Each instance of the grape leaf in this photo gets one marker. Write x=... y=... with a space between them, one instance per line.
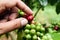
x=52 y=2
x=58 y=8
x=55 y=36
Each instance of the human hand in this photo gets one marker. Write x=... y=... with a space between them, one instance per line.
x=9 y=11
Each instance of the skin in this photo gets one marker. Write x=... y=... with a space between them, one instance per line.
x=8 y=15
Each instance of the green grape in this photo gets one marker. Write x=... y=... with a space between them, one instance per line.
x=38 y=33
x=28 y=26
x=38 y=24
x=26 y=31
x=32 y=31
x=38 y=28
x=41 y=34
x=44 y=38
x=28 y=36
x=35 y=37
x=42 y=29
x=21 y=13
x=33 y=26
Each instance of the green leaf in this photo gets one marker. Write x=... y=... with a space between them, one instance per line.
x=52 y=2
x=55 y=36
x=58 y=8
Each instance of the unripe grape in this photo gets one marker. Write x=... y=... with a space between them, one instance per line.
x=28 y=26
x=38 y=33
x=44 y=38
x=35 y=37
x=28 y=36
x=26 y=31
x=22 y=13
x=32 y=26
x=38 y=28
x=32 y=31
x=42 y=29
x=41 y=34
x=38 y=24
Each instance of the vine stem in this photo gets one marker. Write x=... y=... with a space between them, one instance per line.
x=37 y=12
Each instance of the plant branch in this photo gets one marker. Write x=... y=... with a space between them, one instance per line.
x=37 y=12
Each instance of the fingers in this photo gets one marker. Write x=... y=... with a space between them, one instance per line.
x=14 y=13
x=4 y=20
x=11 y=25
x=9 y=4
x=24 y=7
x=2 y=9
x=13 y=16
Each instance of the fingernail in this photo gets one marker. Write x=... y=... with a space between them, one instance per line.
x=23 y=21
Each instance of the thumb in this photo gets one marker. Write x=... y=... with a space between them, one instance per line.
x=11 y=25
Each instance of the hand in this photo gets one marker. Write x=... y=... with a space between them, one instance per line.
x=8 y=15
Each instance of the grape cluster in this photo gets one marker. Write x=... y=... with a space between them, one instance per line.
x=34 y=31
x=29 y=17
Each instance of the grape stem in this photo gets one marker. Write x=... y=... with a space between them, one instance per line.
x=37 y=12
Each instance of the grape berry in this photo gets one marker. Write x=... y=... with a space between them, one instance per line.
x=30 y=18
x=56 y=27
